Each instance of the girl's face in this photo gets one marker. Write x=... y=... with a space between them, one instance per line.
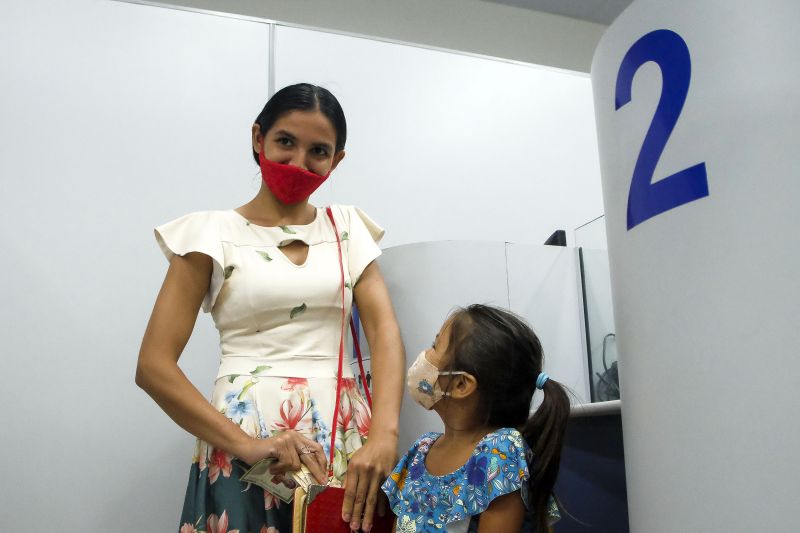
x=458 y=386
x=438 y=355
x=304 y=139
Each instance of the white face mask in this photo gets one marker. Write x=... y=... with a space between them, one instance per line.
x=423 y=382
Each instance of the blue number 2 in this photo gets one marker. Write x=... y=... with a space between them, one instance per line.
x=645 y=198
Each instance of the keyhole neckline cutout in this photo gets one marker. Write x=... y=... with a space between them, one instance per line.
x=302 y=256
x=294 y=236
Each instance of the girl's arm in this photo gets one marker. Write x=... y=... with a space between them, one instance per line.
x=505 y=513
x=372 y=464
x=157 y=372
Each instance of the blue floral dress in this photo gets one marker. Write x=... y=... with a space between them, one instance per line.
x=453 y=502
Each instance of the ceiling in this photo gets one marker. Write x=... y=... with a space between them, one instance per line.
x=599 y=11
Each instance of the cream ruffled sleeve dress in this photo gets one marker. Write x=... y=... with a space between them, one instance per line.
x=279 y=325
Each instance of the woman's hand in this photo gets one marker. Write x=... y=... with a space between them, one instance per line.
x=372 y=464
x=290 y=449
x=367 y=470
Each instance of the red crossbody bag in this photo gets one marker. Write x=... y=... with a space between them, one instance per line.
x=320 y=510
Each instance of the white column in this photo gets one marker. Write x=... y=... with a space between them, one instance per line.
x=703 y=222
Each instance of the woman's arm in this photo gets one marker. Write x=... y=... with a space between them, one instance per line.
x=372 y=464
x=505 y=513
x=157 y=372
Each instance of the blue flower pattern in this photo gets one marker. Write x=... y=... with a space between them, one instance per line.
x=423 y=502
x=322 y=434
x=238 y=409
x=425 y=387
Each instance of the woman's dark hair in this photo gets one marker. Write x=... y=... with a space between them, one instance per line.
x=304 y=97
x=505 y=356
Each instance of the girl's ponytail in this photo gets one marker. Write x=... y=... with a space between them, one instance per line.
x=544 y=433
x=506 y=357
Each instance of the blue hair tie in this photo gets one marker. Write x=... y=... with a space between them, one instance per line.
x=541 y=380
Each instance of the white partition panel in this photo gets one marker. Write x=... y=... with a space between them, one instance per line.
x=428 y=280
x=115 y=118
x=697 y=117
x=544 y=288
x=446 y=146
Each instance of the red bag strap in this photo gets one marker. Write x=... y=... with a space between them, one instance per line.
x=341 y=352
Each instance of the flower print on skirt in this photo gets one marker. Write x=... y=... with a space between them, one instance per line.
x=216 y=500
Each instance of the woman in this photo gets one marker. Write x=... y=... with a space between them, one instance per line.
x=269 y=273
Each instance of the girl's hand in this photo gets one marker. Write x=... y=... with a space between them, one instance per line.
x=366 y=472
x=290 y=449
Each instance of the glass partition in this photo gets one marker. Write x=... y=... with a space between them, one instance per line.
x=601 y=342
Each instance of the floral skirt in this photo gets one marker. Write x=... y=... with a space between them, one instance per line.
x=216 y=500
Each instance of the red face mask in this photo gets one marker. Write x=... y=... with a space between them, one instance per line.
x=289 y=184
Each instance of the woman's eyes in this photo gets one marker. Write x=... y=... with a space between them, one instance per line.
x=287 y=142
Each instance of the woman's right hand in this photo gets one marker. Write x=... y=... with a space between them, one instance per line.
x=290 y=449
x=157 y=372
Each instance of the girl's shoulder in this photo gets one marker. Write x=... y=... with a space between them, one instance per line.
x=418 y=451
x=497 y=466
x=425 y=440
x=422 y=444
x=504 y=444
x=502 y=454
x=504 y=438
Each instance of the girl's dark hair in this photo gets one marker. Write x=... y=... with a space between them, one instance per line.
x=505 y=356
x=304 y=97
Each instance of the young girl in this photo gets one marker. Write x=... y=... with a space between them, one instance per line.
x=494 y=468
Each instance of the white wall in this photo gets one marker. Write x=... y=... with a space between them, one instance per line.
x=428 y=280
x=113 y=118
x=544 y=288
x=445 y=146
x=471 y=26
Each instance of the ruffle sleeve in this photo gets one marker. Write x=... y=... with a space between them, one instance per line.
x=499 y=466
x=423 y=502
x=393 y=486
x=361 y=238
x=195 y=232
